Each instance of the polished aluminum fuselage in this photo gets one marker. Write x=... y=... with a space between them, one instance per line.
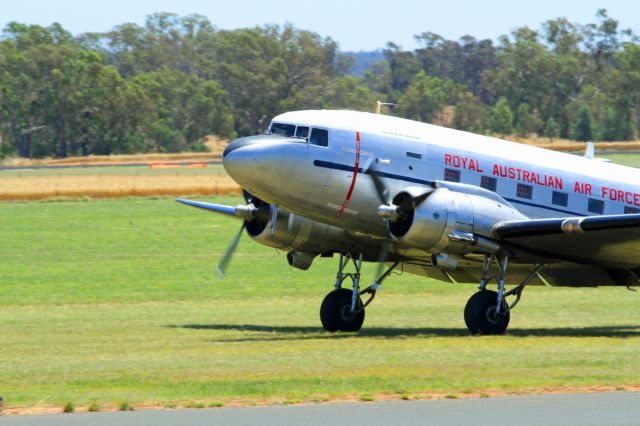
x=313 y=181
x=332 y=185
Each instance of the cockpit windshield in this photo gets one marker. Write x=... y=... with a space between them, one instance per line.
x=282 y=129
x=302 y=132
x=314 y=136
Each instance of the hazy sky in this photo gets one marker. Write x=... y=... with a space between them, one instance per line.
x=354 y=24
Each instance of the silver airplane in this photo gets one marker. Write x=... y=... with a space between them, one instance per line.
x=431 y=201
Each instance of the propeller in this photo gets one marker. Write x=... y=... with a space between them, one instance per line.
x=390 y=211
x=255 y=214
x=249 y=213
x=221 y=268
x=384 y=196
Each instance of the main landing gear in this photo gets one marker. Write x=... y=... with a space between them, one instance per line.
x=343 y=309
x=487 y=311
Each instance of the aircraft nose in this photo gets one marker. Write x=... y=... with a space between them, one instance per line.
x=239 y=159
x=239 y=143
x=262 y=164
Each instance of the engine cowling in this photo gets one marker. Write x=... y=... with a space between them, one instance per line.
x=424 y=225
x=303 y=239
x=452 y=219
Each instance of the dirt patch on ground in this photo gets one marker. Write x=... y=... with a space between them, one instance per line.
x=489 y=393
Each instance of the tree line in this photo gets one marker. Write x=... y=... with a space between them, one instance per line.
x=165 y=85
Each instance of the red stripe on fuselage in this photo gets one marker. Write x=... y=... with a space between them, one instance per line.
x=355 y=176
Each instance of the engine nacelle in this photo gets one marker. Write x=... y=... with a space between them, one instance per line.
x=280 y=234
x=303 y=239
x=454 y=219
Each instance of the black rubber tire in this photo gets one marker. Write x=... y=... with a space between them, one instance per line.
x=478 y=314
x=335 y=312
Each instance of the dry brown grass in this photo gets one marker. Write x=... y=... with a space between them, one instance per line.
x=116 y=159
x=568 y=145
x=599 y=146
x=29 y=188
x=215 y=145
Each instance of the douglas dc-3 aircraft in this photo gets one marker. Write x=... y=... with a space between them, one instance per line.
x=432 y=201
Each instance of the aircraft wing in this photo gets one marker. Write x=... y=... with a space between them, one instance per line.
x=611 y=241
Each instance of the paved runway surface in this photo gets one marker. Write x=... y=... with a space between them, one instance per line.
x=614 y=408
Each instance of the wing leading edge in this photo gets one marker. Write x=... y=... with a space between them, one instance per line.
x=611 y=241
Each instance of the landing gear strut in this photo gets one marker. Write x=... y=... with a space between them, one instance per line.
x=487 y=312
x=342 y=309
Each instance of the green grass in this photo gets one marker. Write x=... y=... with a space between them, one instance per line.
x=630 y=159
x=117 y=300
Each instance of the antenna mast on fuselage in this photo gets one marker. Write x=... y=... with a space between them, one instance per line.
x=380 y=104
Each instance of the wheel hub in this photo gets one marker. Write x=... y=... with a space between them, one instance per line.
x=346 y=313
x=492 y=316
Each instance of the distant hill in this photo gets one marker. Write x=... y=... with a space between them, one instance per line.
x=363 y=61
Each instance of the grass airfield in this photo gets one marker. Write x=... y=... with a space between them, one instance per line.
x=116 y=302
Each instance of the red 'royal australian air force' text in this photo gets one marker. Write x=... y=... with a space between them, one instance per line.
x=509 y=172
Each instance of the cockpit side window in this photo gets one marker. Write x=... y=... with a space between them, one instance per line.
x=282 y=129
x=302 y=132
x=319 y=137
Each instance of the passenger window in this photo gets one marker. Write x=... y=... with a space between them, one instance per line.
x=489 y=183
x=631 y=210
x=596 y=206
x=524 y=191
x=451 y=175
x=560 y=198
x=282 y=129
x=319 y=137
x=302 y=132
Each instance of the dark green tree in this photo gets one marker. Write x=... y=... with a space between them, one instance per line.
x=403 y=67
x=551 y=129
x=424 y=99
x=584 y=128
x=501 y=118
x=617 y=126
x=185 y=109
x=470 y=114
x=527 y=122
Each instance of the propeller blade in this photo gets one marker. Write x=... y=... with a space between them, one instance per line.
x=218 y=208
x=382 y=259
x=222 y=266
x=410 y=203
x=381 y=189
x=274 y=218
